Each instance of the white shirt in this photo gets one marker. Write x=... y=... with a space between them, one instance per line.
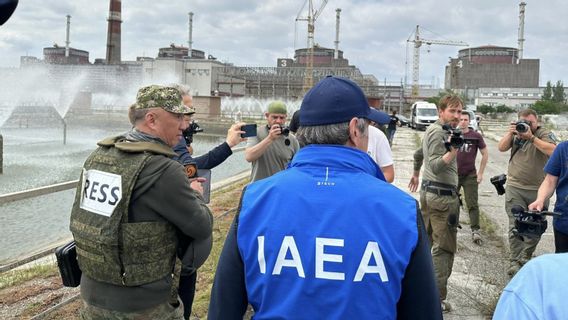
x=379 y=148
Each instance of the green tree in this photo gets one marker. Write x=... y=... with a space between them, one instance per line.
x=485 y=109
x=547 y=93
x=558 y=94
x=546 y=107
x=503 y=109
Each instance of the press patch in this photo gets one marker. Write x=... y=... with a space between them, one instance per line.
x=100 y=192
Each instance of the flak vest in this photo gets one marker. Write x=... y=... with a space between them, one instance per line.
x=111 y=249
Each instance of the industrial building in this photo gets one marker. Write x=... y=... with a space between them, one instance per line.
x=491 y=67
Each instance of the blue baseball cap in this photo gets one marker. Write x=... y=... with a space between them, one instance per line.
x=337 y=100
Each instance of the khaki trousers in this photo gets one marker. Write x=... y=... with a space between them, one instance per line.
x=441 y=218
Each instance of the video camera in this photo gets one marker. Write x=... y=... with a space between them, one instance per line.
x=456 y=138
x=530 y=224
x=499 y=183
x=522 y=126
x=190 y=131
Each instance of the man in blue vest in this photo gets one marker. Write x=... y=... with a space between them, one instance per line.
x=327 y=238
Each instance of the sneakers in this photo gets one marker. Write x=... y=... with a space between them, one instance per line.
x=446 y=306
x=476 y=237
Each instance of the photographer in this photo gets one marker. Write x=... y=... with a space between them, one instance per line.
x=209 y=160
x=438 y=196
x=556 y=179
x=213 y=157
x=530 y=146
x=274 y=146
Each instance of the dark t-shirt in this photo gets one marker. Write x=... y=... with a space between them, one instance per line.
x=393 y=121
x=468 y=152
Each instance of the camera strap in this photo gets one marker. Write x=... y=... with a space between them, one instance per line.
x=514 y=151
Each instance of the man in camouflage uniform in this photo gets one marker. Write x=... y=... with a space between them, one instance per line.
x=133 y=206
x=438 y=196
x=530 y=150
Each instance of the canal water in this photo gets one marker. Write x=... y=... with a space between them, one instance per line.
x=37 y=157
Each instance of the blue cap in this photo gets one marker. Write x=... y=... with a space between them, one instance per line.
x=337 y=100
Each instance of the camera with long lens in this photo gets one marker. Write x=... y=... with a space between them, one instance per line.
x=499 y=183
x=522 y=126
x=530 y=224
x=190 y=131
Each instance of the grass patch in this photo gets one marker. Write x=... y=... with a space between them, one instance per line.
x=222 y=202
x=16 y=277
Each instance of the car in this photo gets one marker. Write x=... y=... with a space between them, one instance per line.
x=403 y=121
x=473 y=120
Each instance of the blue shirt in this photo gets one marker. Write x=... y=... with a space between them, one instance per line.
x=557 y=166
x=537 y=290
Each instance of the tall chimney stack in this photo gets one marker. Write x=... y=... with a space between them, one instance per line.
x=190 y=40
x=67 y=36
x=113 y=32
x=521 y=29
x=337 y=14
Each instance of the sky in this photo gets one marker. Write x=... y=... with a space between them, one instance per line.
x=373 y=33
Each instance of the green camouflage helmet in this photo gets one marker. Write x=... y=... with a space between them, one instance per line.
x=167 y=98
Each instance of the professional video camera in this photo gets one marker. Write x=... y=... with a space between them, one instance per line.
x=530 y=224
x=190 y=131
x=522 y=126
x=499 y=183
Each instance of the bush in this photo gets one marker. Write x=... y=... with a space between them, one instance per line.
x=485 y=109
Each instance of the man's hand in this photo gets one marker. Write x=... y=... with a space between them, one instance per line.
x=196 y=184
x=512 y=128
x=537 y=205
x=234 y=134
x=479 y=178
x=413 y=184
x=275 y=132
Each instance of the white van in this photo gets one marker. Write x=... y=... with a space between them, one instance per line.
x=423 y=114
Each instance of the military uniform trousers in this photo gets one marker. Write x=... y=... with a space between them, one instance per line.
x=520 y=250
x=470 y=195
x=165 y=311
x=441 y=218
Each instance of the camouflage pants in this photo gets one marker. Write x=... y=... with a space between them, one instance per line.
x=164 y=311
x=520 y=250
x=470 y=186
x=441 y=218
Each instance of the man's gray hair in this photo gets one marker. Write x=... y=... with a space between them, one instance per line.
x=136 y=115
x=337 y=133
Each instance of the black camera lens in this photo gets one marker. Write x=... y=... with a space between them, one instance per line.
x=522 y=127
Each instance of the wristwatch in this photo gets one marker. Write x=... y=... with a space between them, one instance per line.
x=531 y=140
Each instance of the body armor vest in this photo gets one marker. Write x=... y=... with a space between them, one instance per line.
x=109 y=248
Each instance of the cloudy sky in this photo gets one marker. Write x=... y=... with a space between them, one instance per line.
x=373 y=36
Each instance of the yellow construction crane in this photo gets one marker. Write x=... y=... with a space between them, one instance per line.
x=311 y=19
x=418 y=42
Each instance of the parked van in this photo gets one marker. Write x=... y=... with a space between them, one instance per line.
x=423 y=114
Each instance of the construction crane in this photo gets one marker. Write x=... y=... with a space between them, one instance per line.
x=418 y=42
x=311 y=19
